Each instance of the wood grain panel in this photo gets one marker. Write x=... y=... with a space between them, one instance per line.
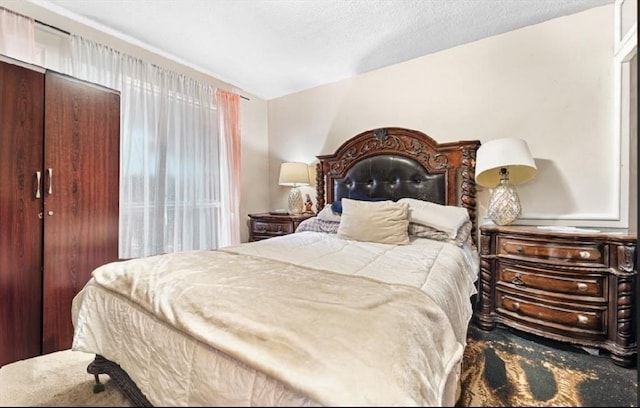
x=82 y=147
x=21 y=124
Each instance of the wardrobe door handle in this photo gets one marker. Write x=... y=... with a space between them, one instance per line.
x=50 y=171
x=38 y=177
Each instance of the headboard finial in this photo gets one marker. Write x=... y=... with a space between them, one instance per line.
x=380 y=134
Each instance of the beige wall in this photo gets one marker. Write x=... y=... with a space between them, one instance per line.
x=550 y=84
x=254 y=194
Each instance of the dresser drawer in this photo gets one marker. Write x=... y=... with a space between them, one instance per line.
x=272 y=228
x=589 y=285
x=567 y=318
x=559 y=252
x=268 y=225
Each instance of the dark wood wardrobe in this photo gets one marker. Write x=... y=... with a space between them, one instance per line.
x=59 y=197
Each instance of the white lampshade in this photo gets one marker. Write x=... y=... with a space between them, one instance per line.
x=294 y=174
x=500 y=164
x=512 y=154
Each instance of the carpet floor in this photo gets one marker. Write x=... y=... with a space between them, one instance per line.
x=56 y=380
x=510 y=368
x=500 y=368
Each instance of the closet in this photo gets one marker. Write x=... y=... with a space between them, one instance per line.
x=59 y=196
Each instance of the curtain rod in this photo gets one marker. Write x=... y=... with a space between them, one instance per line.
x=68 y=33
x=52 y=27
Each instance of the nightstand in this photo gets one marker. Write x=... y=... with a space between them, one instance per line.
x=578 y=287
x=265 y=225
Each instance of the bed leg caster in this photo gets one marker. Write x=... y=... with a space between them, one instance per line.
x=98 y=386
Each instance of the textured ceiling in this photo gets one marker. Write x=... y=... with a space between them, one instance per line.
x=271 y=48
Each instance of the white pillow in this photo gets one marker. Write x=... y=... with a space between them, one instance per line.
x=384 y=222
x=327 y=214
x=447 y=218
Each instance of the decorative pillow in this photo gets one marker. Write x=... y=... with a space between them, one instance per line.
x=336 y=206
x=462 y=236
x=423 y=231
x=384 y=222
x=318 y=225
x=327 y=214
x=447 y=218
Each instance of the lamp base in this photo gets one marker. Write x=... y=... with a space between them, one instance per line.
x=295 y=203
x=504 y=205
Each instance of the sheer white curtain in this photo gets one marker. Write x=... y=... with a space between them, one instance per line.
x=170 y=167
x=17 y=36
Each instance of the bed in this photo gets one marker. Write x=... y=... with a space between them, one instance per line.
x=368 y=303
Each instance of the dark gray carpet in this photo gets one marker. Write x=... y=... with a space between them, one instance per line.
x=505 y=367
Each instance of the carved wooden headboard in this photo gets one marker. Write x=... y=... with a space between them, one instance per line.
x=394 y=163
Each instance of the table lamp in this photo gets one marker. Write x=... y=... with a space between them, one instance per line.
x=294 y=174
x=501 y=164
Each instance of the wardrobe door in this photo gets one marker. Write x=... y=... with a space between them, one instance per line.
x=81 y=164
x=21 y=113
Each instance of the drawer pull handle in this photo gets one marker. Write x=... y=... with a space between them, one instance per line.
x=582 y=287
x=516 y=306
x=519 y=249
x=582 y=319
x=517 y=280
x=585 y=254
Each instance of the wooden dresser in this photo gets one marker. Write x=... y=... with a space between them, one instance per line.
x=265 y=225
x=576 y=287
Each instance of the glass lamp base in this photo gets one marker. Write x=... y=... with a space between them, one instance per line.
x=295 y=203
x=504 y=205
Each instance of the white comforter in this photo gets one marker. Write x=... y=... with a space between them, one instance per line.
x=257 y=324
x=445 y=272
